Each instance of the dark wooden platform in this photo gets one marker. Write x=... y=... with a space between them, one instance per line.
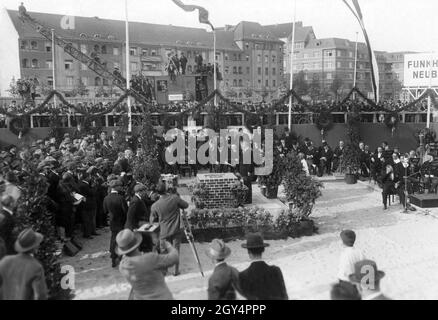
x=424 y=200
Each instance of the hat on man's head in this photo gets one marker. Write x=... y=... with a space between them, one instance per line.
x=366 y=268
x=254 y=241
x=28 y=240
x=218 y=250
x=115 y=183
x=128 y=241
x=139 y=187
x=348 y=237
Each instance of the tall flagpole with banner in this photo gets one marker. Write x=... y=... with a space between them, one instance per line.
x=355 y=67
x=292 y=49
x=357 y=12
x=429 y=99
x=128 y=70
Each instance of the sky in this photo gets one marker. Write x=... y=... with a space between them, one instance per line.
x=392 y=25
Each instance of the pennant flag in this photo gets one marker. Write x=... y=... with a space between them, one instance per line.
x=203 y=13
x=357 y=12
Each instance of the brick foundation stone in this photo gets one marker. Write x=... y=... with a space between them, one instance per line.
x=219 y=189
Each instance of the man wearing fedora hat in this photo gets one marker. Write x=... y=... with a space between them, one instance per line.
x=144 y=271
x=224 y=280
x=114 y=205
x=21 y=275
x=367 y=277
x=137 y=211
x=260 y=281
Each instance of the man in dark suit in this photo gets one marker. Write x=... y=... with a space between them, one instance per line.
x=7 y=223
x=325 y=159
x=88 y=207
x=337 y=155
x=260 y=281
x=222 y=283
x=137 y=211
x=246 y=170
x=183 y=63
x=367 y=277
x=115 y=206
x=167 y=211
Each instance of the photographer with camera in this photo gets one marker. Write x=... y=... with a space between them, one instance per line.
x=142 y=268
x=167 y=211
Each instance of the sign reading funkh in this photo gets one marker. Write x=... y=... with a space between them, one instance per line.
x=421 y=70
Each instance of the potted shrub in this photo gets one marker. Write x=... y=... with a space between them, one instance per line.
x=272 y=182
x=301 y=192
x=350 y=162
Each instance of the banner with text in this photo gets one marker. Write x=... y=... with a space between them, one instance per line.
x=421 y=70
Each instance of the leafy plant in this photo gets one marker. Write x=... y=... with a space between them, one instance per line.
x=239 y=191
x=199 y=194
x=301 y=191
x=350 y=160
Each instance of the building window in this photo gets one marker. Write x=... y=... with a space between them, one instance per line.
x=234 y=70
x=259 y=82
x=240 y=70
x=103 y=49
x=274 y=71
x=259 y=71
x=274 y=58
x=247 y=45
x=84 y=67
x=117 y=65
x=328 y=65
x=24 y=45
x=338 y=64
x=48 y=47
x=144 y=52
x=266 y=71
x=133 y=51
x=226 y=69
x=96 y=48
x=350 y=65
x=84 y=81
x=25 y=63
x=274 y=83
x=34 y=63
x=48 y=64
x=154 y=52
x=234 y=83
x=240 y=83
x=266 y=83
x=247 y=57
x=266 y=59
x=226 y=56
x=339 y=53
x=97 y=81
x=34 y=45
x=68 y=65
x=234 y=57
x=350 y=54
x=116 y=51
x=329 y=76
x=240 y=57
x=70 y=81
x=105 y=82
x=50 y=81
x=248 y=70
x=316 y=54
x=259 y=58
x=134 y=66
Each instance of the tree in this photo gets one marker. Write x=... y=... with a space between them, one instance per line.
x=300 y=84
x=336 y=85
x=13 y=88
x=45 y=89
x=230 y=93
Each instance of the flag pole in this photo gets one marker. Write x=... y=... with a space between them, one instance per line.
x=214 y=66
x=355 y=67
x=53 y=66
x=429 y=99
x=128 y=71
x=291 y=65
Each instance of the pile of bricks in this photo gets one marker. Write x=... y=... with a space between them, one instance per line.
x=219 y=189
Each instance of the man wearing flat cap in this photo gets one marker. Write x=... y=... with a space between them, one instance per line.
x=260 y=281
x=114 y=205
x=224 y=280
x=367 y=277
x=137 y=210
x=349 y=256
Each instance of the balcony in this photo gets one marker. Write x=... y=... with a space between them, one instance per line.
x=146 y=58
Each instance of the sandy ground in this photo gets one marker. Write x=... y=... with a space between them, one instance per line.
x=404 y=246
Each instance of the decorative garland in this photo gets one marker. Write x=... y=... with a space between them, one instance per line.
x=429 y=136
x=19 y=126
